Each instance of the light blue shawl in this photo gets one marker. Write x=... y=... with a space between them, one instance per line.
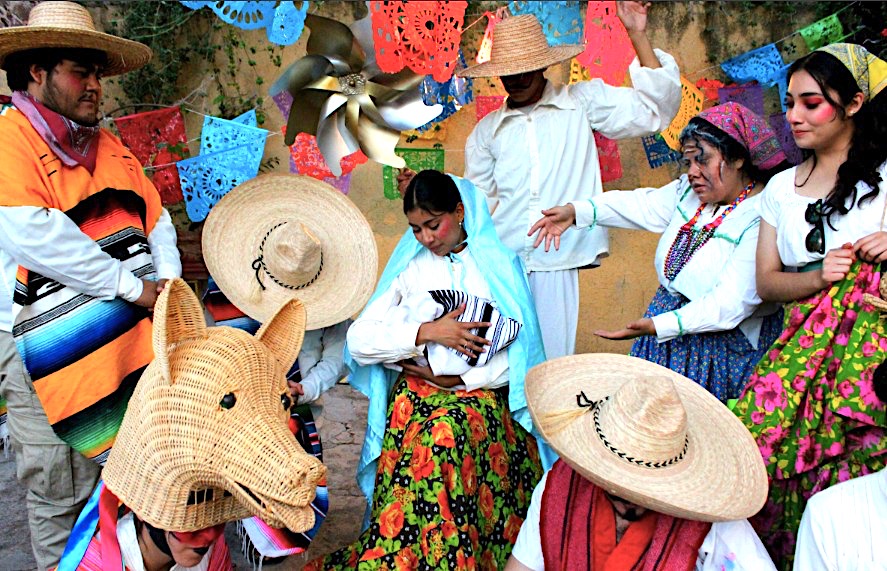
x=507 y=279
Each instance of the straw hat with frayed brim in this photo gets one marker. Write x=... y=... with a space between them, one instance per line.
x=283 y=236
x=648 y=435
x=519 y=46
x=70 y=25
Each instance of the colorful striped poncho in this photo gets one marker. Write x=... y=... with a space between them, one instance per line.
x=84 y=355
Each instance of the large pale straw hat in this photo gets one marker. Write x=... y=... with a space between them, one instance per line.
x=648 y=435
x=284 y=236
x=70 y=25
x=205 y=439
x=519 y=46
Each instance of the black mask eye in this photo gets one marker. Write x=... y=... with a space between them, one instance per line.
x=228 y=401
x=286 y=400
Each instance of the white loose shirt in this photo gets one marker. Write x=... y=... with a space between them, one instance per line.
x=783 y=208
x=719 y=280
x=46 y=241
x=322 y=361
x=381 y=335
x=537 y=157
x=730 y=545
x=844 y=527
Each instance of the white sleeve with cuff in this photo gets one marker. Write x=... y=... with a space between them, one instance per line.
x=732 y=300
x=648 y=209
x=480 y=164
x=46 y=241
x=378 y=337
x=330 y=368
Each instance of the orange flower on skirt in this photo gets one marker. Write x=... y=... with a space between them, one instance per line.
x=391 y=521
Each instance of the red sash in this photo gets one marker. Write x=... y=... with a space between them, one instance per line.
x=578 y=531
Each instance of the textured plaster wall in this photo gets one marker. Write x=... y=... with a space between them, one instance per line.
x=618 y=291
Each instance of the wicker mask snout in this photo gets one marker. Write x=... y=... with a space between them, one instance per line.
x=205 y=438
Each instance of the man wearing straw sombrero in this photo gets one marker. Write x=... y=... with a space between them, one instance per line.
x=539 y=149
x=654 y=472
x=85 y=247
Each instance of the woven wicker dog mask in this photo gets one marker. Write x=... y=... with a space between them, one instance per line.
x=205 y=439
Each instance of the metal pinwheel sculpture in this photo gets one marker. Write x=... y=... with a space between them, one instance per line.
x=341 y=96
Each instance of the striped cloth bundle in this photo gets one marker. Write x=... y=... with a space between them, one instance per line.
x=501 y=333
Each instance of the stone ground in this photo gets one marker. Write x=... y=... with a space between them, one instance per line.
x=341 y=422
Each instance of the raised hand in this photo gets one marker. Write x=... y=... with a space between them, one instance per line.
x=633 y=15
x=554 y=222
x=404 y=177
x=449 y=332
x=634 y=329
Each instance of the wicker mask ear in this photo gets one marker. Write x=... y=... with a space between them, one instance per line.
x=177 y=317
x=284 y=332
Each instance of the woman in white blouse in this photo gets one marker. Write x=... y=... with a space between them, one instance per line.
x=706 y=320
x=810 y=403
x=450 y=456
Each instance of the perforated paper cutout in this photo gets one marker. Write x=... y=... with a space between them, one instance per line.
x=750 y=95
x=786 y=140
x=691 y=104
x=608 y=49
x=486 y=45
x=577 y=72
x=417 y=160
x=283 y=21
x=658 y=153
x=709 y=88
x=561 y=20
x=157 y=138
x=827 y=31
x=486 y=104
x=308 y=160
x=423 y=36
x=793 y=47
x=761 y=65
x=608 y=156
x=284 y=102
x=205 y=179
x=219 y=134
x=452 y=94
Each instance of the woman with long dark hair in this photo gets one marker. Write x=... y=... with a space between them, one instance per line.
x=810 y=402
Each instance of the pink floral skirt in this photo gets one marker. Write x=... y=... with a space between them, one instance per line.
x=811 y=406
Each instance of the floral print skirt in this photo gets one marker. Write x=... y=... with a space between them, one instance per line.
x=720 y=361
x=811 y=406
x=453 y=485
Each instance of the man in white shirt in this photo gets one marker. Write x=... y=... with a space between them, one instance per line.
x=538 y=150
x=85 y=247
x=844 y=527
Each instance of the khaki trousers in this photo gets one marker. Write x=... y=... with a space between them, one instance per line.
x=59 y=480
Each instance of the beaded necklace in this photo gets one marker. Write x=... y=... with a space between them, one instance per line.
x=690 y=239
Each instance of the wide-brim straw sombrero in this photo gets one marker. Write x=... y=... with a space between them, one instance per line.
x=70 y=25
x=710 y=469
x=264 y=207
x=519 y=46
